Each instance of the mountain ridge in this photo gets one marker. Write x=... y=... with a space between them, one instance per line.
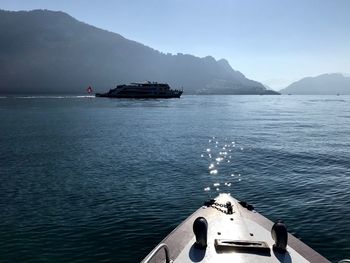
x=43 y=51
x=324 y=84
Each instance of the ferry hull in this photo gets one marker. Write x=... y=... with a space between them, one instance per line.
x=139 y=96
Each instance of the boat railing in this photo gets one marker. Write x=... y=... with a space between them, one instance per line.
x=177 y=90
x=155 y=252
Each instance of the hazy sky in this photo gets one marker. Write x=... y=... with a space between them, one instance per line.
x=272 y=41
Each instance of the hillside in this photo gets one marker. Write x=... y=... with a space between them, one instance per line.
x=325 y=84
x=47 y=52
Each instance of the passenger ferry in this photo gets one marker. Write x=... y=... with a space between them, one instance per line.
x=142 y=91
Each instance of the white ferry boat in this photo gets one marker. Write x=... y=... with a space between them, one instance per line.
x=142 y=91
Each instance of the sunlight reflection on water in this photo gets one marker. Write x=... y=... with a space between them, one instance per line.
x=223 y=164
x=93 y=173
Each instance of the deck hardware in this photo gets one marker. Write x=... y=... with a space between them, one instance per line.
x=156 y=250
x=280 y=235
x=229 y=208
x=209 y=202
x=242 y=245
x=220 y=207
x=200 y=230
x=246 y=205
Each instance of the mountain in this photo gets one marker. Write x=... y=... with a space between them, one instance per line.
x=325 y=84
x=47 y=52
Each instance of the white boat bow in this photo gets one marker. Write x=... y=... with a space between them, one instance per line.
x=226 y=230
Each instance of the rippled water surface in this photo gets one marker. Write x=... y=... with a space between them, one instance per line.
x=93 y=180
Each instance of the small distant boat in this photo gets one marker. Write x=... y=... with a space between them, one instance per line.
x=142 y=91
x=228 y=230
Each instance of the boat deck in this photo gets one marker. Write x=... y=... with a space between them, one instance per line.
x=241 y=225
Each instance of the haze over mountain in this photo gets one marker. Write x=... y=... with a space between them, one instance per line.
x=48 y=52
x=325 y=84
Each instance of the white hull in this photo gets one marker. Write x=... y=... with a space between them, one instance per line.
x=242 y=225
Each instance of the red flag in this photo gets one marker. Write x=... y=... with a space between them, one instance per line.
x=89 y=90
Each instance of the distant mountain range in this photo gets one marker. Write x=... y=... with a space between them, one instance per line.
x=325 y=84
x=48 y=52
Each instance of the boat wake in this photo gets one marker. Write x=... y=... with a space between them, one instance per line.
x=52 y=97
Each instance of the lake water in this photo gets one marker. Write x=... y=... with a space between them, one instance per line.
x=99 y=180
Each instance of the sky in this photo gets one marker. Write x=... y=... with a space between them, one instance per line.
x=275 y=42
